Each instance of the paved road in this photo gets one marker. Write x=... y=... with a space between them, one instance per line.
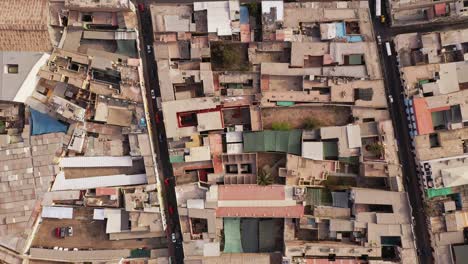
x=397 y=108
x=398 y=112
x=159 y=134
x=392 y=82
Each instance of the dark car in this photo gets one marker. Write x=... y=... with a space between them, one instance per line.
x=141 y=7
x=62 y=232
x=170 y=209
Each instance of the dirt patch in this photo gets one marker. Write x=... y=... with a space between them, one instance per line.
x=273 y=161
x=87 y=233
x=76 y=173
x=231 y=56
x=296 y=116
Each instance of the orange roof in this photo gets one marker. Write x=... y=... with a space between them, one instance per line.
x=250 y=192
x=442 y=108
x=423 y=116
x=440 y=9
x=216 y=148
x=106 y=191
x=265 y=82
x=296 y=211
x=245 y=32
x=326 y=261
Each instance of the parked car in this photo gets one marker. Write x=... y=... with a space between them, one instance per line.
x=70 y=231
x=141 y=7
x=152 y=94
x=390 y=99
x=173 y=238
x=157 y=119
x=149 y=49
x=171 y=210
x=62 y=232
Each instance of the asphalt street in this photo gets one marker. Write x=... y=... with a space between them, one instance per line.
x=394 y=88
x=159 y=134
x=397 y=109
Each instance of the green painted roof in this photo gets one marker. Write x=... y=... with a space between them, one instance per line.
x=273 y=141
x=355 y=59
x=431 y=193
x=330 y=149
x=438 y=118
x=285 y=103
x=175 y=159
x=421 y=82
x=318 y=196
x=232 y=235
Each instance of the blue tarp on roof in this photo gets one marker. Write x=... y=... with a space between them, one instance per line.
x=45 y=124
x=341 y=33
x=340 y=30
x=244 y=15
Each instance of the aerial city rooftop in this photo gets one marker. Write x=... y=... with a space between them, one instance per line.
x=308 y=132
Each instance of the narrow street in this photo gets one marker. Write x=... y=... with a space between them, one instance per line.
x=159 y=135
x=398 y=112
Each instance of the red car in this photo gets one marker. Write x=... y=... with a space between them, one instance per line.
x=157 y=118
x=171 y=210
x=62 y=232
x=141 y=7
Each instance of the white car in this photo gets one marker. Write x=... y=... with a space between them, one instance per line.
x=152 y=94
x=149 y=49
x=173 y=238
x=390 y=99
x=379 y=39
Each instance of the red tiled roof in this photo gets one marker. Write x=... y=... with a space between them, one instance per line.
x=423 y=116
x=106 y=191
x=296 y=211
x=250 y=192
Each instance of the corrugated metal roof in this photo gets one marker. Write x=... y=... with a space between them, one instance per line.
x=330 y=149
x=353 y=133
x=273 y=141
x=423 y=116
x=251 y=192
x=244 y=15
x=57 y=212
x=296 y=211
x=100 y=181
x=96 y=162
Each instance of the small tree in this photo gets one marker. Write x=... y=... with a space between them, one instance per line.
x=264 y=177
x=282 y=126
x=376 y=149
x=311 y=123
x=2 y=127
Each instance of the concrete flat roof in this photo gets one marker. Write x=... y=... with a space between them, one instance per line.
x=101 y=181
x=96 y=162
